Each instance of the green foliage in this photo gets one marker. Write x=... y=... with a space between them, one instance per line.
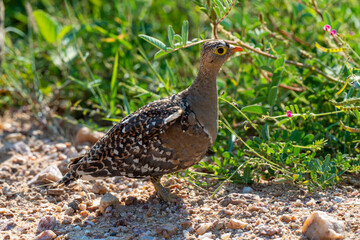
x=97 y=61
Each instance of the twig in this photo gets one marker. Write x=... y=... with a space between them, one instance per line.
x=295 y=89
x=215 y=24
x=237 y=41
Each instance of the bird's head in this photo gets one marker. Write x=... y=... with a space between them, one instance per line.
x=215 y=53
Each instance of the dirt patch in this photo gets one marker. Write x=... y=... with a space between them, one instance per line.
x=261 y=211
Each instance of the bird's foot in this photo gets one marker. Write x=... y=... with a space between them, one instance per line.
x=163 y=193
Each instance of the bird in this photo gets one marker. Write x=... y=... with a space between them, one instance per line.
x=164 y=136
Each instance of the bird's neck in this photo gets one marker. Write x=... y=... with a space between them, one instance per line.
x=203 y=99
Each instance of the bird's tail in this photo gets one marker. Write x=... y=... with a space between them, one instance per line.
x=72 y=175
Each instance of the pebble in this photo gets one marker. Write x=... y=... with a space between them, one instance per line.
x=67 y=219
x=82 y=207
x=6 y=225
x=130 y=200
x=46 y=235
x=203 y=228
x=207 y=236
x=84 y=214
x=253 y=208
x=319 y=225
x=286 y=218
x=69 y=211
x=236 y=224
x=84 y=135
x=48 y=175
x=225 y=236
x=46 y=223
x=14 y=137
x=21 y=147
x=338 y=199
x=269 y=231
x=99 y=188
x=60 y=146
x=74 y=204
x=247 y=190
x=55 y=191
x=108 y=200
x=186 y=224
x=77 y=228
x=166 y=230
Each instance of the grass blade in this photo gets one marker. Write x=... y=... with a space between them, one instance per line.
x=114 y=84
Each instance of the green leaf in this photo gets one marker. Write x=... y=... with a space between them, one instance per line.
x=267 y=68
x=160 y=53
x=217 y=11
x=48 y=27
x=285 y=120
x=113 y=84
x=273 y=95
x=155 y=42
x=185 y=32
x=255 y=109
x=171 y=34
x=327 y=18
x=279 y=63
x=63 y=32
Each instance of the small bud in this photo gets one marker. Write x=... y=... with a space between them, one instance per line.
x=289 y=113
x=333 y=32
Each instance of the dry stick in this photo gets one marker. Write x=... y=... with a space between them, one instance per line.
x=298 y=64
x=286 y=34
x=215 y=25
x=2 y=32
x=295 y=89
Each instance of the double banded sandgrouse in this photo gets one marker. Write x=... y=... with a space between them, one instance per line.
x=164 y=136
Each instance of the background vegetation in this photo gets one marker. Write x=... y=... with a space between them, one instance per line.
x=84 y=62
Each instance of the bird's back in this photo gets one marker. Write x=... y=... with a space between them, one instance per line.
x=159 y=138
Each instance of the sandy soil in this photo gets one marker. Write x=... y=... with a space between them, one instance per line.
x=266 y=211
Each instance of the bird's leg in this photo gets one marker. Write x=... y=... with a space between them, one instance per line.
x=164 y=193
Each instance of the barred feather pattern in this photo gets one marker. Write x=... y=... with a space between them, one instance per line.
x=159 y=138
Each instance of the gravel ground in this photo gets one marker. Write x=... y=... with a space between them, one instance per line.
x=122 y=208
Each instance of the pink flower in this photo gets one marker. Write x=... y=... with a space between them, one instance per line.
x=289 y=113
x=327 y=27
x=333 y=32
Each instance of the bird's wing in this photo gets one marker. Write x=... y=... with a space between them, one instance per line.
x=125 y=139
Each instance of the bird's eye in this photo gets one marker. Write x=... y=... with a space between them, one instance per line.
x=220 y=51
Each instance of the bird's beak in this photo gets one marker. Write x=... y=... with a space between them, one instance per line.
x=236 y=49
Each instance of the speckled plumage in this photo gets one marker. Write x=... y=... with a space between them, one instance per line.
x=161 y=137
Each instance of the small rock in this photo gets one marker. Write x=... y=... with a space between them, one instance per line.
x=84 y=135
x=46 y=235
x=60 y=146
x=74 y=204
x=166 y=230
x=207 y=236
x=84 y=214
x=46 y=223
x=6 y=225
x=203 y=228
x=338 y=199
x=225 y=236
x=14 y=137
x=323 y=227
x=99 y=188
x=69 y=211
x=77 y=228
x=225 y=202
x=247 y=190
x=21 y=147
x=56 y=191
x=286 y=218
x=82 y=207
x=253 y=208
x=311 y=202
x=108 y=200
x=269 y=231
x=236 y=224
x=130 y=200
x=48 y=175
x=186 y=224
x=67 y=220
